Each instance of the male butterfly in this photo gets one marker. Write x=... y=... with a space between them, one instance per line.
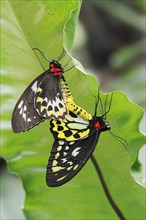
x=48 y=96
x=75 y=141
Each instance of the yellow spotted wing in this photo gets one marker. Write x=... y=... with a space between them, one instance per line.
x=71 y=128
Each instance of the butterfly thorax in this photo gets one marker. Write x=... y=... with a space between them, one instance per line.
x=55 y=68
x=99 y=123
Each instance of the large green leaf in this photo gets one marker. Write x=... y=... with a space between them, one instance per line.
x=40 y=24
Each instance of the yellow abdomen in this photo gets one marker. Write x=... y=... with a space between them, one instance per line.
x=70 y=103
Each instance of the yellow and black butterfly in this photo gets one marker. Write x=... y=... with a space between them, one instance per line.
x=75 y=141
x=47 y=97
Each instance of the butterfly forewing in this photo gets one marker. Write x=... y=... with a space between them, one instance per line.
x=42 y=99
x=24 y=115
x=68 y=158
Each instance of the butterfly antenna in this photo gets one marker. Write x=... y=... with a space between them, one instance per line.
x=97 y=101
x=109 y=105
x=96 y=105
x=121 y=140
x=70 y=68
x=101 y=105
x=61 y=56
x=67 y=62
x=105 y=105
x=110 y=102
x=41 y=53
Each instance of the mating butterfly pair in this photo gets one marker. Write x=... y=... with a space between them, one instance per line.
x=76 y=133
x=46 y=97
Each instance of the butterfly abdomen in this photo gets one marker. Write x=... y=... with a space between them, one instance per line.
x=71 y=105
x=78 y=110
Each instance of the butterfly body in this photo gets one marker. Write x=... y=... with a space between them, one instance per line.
x=70 y=152
x=72 y=106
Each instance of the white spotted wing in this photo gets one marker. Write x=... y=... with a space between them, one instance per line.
x=68 y=158
x=29 y=111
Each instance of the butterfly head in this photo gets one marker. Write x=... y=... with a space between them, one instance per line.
x=100 y=123
x=56 y=68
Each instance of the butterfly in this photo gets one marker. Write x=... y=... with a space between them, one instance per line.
x=75 y=141
x=42 y=99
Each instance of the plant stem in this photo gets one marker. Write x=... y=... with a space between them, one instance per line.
x=106 y=190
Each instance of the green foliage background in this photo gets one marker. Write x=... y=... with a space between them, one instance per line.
x=28 y=24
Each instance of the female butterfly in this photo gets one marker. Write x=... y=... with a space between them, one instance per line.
x=75 y=141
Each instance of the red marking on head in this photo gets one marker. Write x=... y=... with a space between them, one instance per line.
x=98 y=125
x=56 y=71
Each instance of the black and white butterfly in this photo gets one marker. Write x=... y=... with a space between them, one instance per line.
x=75 y=141
x=42 y=99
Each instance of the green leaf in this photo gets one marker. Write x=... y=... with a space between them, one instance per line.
x=27 y=24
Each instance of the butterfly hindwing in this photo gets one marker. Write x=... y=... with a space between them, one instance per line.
x=49 y=101
x=72 y=128
x=68 y=158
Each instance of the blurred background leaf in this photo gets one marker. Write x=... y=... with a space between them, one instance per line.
x=41 y=24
